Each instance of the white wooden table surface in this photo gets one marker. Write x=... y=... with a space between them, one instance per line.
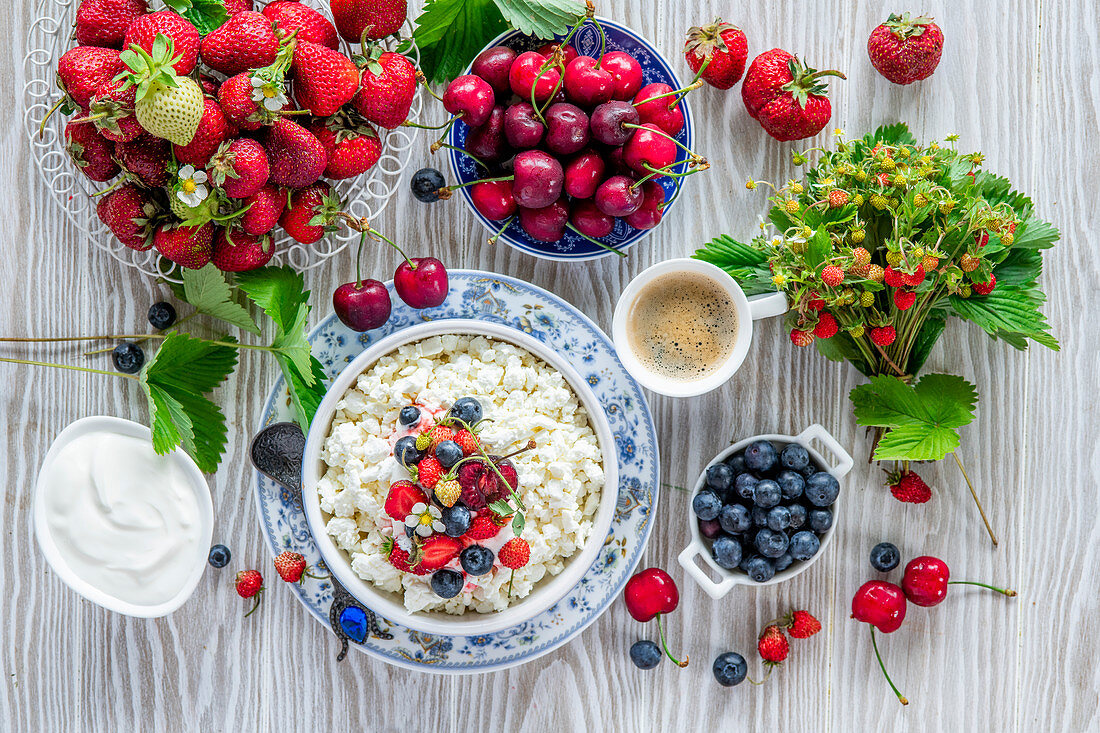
x=1018 y=80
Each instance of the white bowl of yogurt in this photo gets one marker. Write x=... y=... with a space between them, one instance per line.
x=125 y=528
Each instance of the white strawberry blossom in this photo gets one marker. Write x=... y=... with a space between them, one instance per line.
x=268 y=93
x=425 y=518
x=192 y=187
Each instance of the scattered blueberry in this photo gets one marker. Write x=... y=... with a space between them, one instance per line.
x=791 y=484
x=219 y=556
x=783 y=562
x=794 y=457
x=804 y=545
x=770 y=543
x=447 y=583
x=819 y=520
x=467 y=409
x=476 y=560
x=759 y=569
x=161 y=315
x=456 y=520
x=766 y=494
x=734 y=518
x=822 y=489
x=760 y=456
x=710 y=528
x=706 y=505
x=885 y=557
x=426 y=183
x=759 y=516
x=779 y=518
x=645 y=654
x=720 y=477
x=730 y=669
x=798 y=515
x=405 y=452
x=128 y=357
x=448 y=453
x=744 y=484
x=727 y=552
x=410 y=415
x=737 y=464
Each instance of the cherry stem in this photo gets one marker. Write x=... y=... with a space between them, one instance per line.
x=363 y=227
x=977 y=501
x=437 y=145
x=662 y=133
x=424 y=80
x=678 y=93
x=49 y=114
x=874 y=643
x=606 y=246
x=359 y=260
x=457 y=186
x=410 y=123
x=702 y=69
x=1003 y=591
x=493 y=464
x=603 y=42
x=507 y=223
x=66 y=366
x=664 y=644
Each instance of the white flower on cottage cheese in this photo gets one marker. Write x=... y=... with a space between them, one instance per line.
x=560 y=480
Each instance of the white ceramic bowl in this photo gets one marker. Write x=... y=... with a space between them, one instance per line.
x=390 y=605
x=839 y=466
x=53 y=555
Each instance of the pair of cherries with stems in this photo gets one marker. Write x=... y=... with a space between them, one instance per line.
x=882 y=604
x=364 y=304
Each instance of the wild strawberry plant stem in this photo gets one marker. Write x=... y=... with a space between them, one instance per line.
x=977 y=501
x=66 y=366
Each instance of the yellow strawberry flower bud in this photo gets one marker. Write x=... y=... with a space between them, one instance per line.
x=796 y=188
x=900 y=180
x=964 y=291
x=861 y=176
x=856 y=331
x=946 y=206
x=1008 y=238
x=867 y=299
x=857 y=235
x=750 y=184
x=918 y=252
x=791 y=206
x=920 y=200
x=807 y=232
x=878 y=201
x=925 y=160
x=423 y=441
x=894 y=258
x=858 y=199
x=887 y=164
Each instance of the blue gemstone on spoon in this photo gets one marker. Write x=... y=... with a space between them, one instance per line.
x=353 y=620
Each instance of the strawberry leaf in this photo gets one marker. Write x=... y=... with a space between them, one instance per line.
x=208 y=291
x=744 y=263
x=923 y=419
x=279 y=291
x=449 y=34
x=305 y=398
x=206 y=15
x=541 y=18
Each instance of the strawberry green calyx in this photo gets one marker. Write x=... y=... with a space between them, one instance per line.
x=328 y=213
x=806 y=81
x=905 y=26
x=167 y=105
x=707 y=39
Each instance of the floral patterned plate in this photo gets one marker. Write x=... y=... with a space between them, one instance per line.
x=498 y=299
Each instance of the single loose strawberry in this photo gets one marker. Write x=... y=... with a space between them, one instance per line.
x=145 y=159
x=311 y=213
x=468 y=442
x=311 y=26
x=905 y=49
x=437 y=551
x=240 y=167
x=401 y=560
x=832 y=275
x=904 y=299
x=773 y=645
x=448 y=492
x=907 y=486
x=386 y=90
x=296 y=157
x=883 y=335
x=84 y=71
x=185 y=38
x=91 y=152
x=245 y=41
x=249 y=584
x=324 y=80
x=128 y=212
x=785 y=96
x=265 y=207
x=482 y=527
x=370 y=19
x=238 y=251
x=515 y=553
x=212 y=131
x=987 y=287
x=402 y=497
x=722 y=47
x=189 y=247
x=438 y=434
x=801 y=338
x=826 y=326
x=290 y=566
x=352 y=149
x=802 y=625
x=104 y=22
x=429 y=471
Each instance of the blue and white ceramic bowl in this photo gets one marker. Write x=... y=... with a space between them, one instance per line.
x=586 y=40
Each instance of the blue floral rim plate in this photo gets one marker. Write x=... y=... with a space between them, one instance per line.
x=587 y=42
x=542 y=315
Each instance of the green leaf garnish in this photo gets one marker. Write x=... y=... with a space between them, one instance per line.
x=923 y=419
x=542 y=18
x=206 y=15
x=208 y=291
x=279 y=291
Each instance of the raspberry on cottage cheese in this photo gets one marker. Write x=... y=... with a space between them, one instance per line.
x=523 y=399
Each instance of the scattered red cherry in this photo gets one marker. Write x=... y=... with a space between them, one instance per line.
x=880 y=604
x=362 y=306
x=421 y=282
x=926 y=579
x=649 y=594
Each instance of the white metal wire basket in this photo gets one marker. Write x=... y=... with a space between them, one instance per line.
x=50 y=36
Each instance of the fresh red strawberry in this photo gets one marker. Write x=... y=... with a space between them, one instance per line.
x=909 y=487
x=235 y=98
x=722 y=47
x=188 y=247
x=240 y=167
x=773 y=645
x=832 y=275
x=482 y=527
x=883 y=335
x=987 y=287
x=402 y=497
x=826 y=326
x=893 y=278
x=146 y=159
x=290 y=566
x=264 y=209
x=291 y=15
x=386 y=90
x=245 y=41
x=370 y=19
x=104 y=22
x=801 y=338
x=210 y=85
x=401 y=560
x=904 y=299
x=324 y=80
x=515 y=553
x=785 y=96
x=213 y=131
x=914 y=278
x=249 y=583
x=128 y=212
x=239 y=251
x=84 y=72
x=905 y=49
x=90 y=151
x=311 y=213
x=837 y=198
x=237 y=6
x=429 y=471
x=438 y=434
x=437 y=551
x=173 y=26
x=803 y=625
x=351 y=149
x=467 y=441
x=297 y=158
x=112 y=112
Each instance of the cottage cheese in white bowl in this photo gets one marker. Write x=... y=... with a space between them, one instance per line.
x=568 y=482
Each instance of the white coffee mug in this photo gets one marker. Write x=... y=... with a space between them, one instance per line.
x=748 y=310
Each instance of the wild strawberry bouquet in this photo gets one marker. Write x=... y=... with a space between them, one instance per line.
x=883 y=241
